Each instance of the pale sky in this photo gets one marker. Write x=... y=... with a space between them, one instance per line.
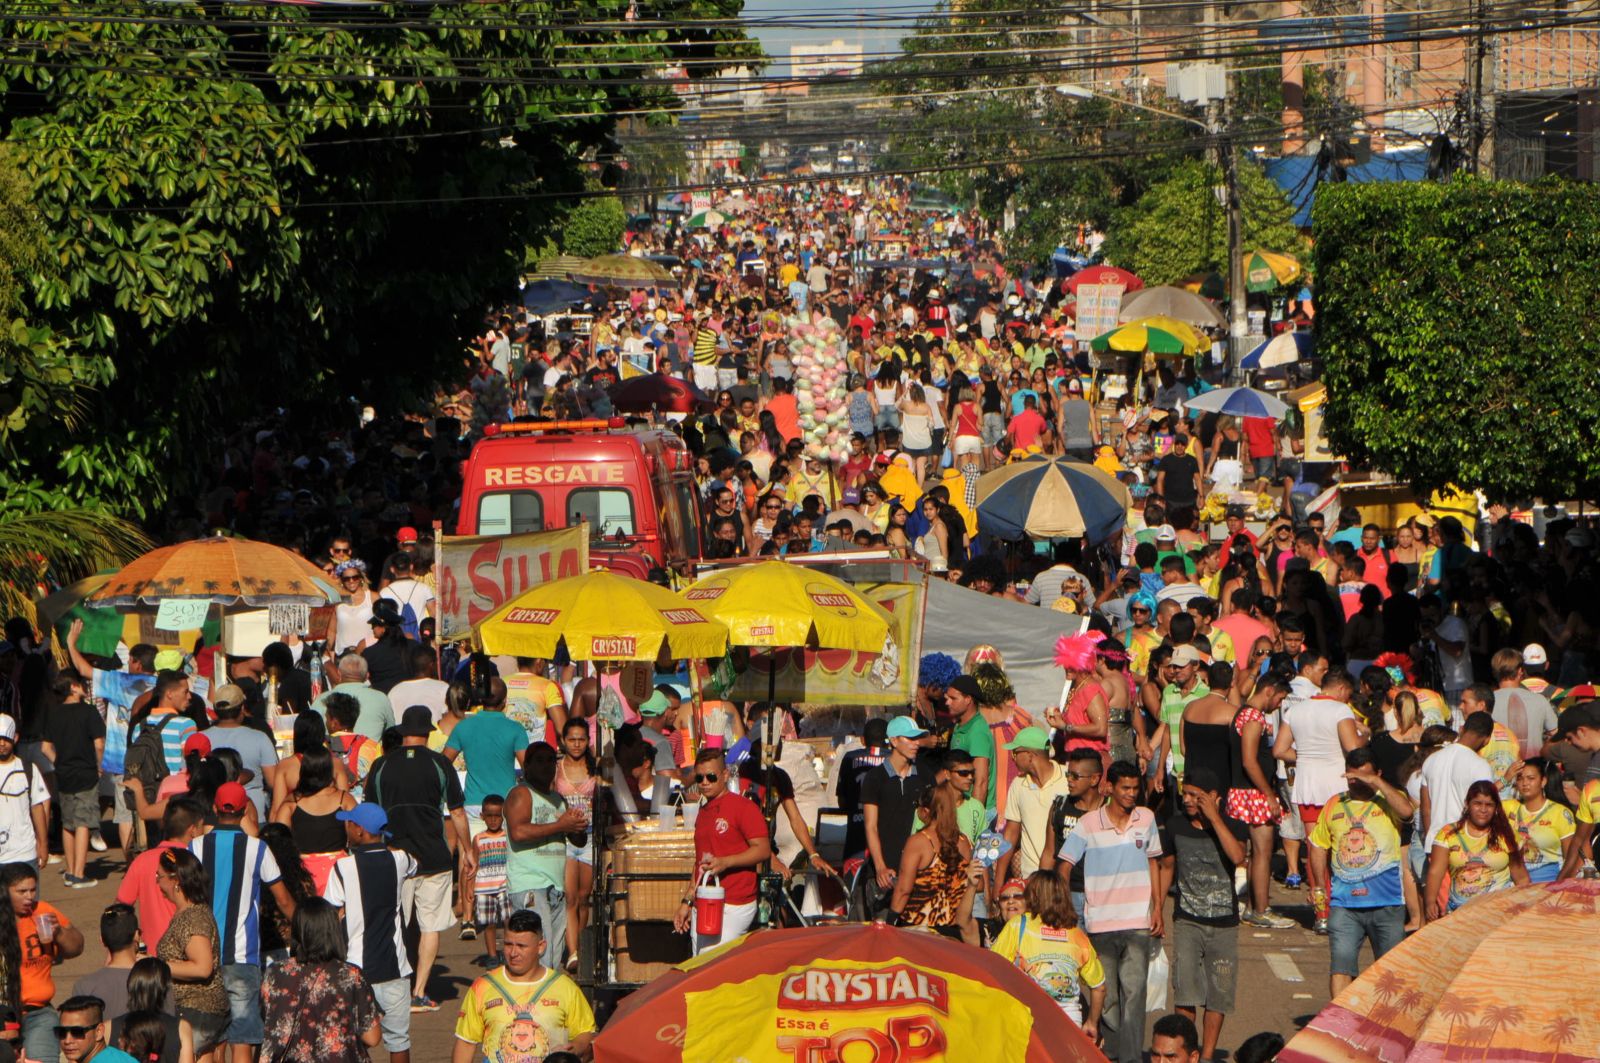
x=778 y=40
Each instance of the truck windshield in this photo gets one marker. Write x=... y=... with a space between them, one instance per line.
x=608 y=510
x=510 y=513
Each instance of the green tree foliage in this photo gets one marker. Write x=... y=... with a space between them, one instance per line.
x=1179 y=227
x=255 y=206
x=38 y=378
x=594 y=227
x=1459 y=325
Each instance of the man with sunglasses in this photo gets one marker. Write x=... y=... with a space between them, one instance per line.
x=81 y=1033
x=731 y=840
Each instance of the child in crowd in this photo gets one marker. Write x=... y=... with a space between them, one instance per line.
x=489 y=899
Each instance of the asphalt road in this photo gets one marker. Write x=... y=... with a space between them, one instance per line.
x=1283 y=974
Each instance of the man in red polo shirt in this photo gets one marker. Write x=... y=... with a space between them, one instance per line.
x=183 y=822
x=730 y=841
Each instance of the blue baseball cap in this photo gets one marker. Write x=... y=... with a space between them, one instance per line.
x=905 y=727
x=368 y=816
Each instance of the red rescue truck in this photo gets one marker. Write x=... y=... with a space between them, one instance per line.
x=635 y=487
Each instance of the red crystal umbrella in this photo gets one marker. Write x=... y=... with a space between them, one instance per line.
x=1104 y=275
x=843 y=992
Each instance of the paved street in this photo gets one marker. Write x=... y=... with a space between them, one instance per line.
x=1282 y=978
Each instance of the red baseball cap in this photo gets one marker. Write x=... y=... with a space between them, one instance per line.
x=197 y=742
x=230 y=798
x=407 y=534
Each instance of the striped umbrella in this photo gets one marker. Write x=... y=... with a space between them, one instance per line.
x=1156 y=334
x=1051 y=498
x=557 y=267
x=707 y=219
x=623 y=271
x=1238 y=402
x=1282 y=349
x=1266 y=270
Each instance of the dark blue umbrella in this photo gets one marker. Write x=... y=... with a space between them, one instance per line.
x=1051 y=498
x=549 y=296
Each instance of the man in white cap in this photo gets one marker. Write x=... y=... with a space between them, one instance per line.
x=1188 y=684
x=1525 y=713
x=24 y=804
x=1535 y=668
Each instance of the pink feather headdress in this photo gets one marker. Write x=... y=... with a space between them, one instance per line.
x=1076 y=653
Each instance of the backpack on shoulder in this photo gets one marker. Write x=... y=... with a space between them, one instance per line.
x=146 y=759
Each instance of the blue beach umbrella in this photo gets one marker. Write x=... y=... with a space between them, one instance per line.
x=1282 y=349
x=1051 y=498
x=548 y=296
x=1238 y=402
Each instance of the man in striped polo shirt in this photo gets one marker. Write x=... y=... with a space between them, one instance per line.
x=239 y=866
x=1119 y=848
x=365 y=886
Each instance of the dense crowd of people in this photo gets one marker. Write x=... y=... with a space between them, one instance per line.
x=1390 y=716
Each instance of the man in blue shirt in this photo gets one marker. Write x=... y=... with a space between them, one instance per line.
x=494 y=745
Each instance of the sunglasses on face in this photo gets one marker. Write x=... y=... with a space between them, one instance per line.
x=711 y=777
x=1011 y=896
x=74 y=1032
x=965 y=773
x=1139 y=612
x=341 y=550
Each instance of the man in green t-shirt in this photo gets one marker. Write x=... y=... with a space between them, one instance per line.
x=973 y=735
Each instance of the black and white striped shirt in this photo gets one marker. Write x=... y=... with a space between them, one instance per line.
x=366 y=884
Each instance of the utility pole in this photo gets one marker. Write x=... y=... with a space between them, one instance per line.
x=1238 y=318
x=1483 y=78
x=1219 y=123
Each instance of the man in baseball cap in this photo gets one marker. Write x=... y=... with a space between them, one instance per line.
x=368 y=818
x=890 y=794
x=905 y=727
x=1040 y=780
x=241 y=869
x=1536 y=668
x=230 y=800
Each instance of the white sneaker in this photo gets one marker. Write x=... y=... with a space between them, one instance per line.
x=97 y=841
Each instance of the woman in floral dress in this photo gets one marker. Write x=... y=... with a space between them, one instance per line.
x=318 y=1008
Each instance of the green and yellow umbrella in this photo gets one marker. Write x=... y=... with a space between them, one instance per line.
x=623 y=271
x=557 y=267
x=1266 y=270
x=1157 y=334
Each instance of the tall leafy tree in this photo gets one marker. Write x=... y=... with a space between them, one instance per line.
x=1459 y=326
x=1179 y=227
x=260 y=206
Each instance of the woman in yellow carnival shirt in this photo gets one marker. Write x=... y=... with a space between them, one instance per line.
x=1046 y=944
x=1544 y=827
x=1479 y=853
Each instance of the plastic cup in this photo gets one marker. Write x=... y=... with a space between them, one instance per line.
x=691 y=812
x=47 y=927
x=666 y=817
